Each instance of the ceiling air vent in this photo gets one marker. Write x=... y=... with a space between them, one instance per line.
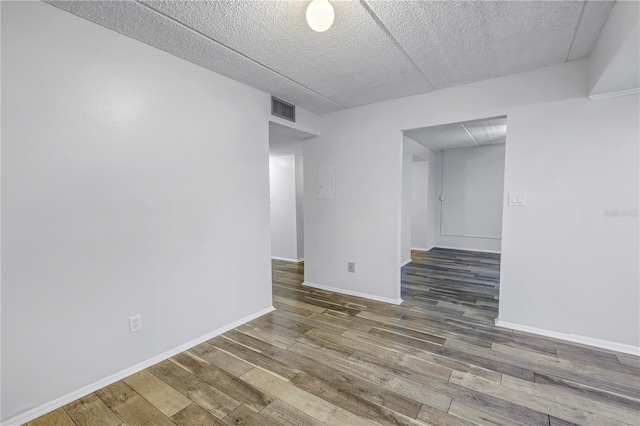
x=283 y=109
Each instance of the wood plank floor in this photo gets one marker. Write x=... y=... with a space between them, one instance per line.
x=326 y=358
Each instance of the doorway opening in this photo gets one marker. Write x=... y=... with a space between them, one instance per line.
x=452 y=203
x=286 y=187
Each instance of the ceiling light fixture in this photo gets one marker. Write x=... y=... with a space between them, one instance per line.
x=320 y=15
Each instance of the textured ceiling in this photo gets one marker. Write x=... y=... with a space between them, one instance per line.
x=375 y=50
x=486 y=131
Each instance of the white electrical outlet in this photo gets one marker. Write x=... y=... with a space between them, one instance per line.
x=351 y=267
x=135 y=323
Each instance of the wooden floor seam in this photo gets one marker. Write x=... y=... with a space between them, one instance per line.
x=324 y=358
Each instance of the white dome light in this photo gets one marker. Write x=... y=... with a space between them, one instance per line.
x=320 y=15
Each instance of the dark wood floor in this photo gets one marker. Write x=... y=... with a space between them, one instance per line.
x=325 y=358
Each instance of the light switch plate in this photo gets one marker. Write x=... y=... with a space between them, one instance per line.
x=517 y=198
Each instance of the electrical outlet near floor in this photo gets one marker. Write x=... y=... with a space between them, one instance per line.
x=135 y=323
x=351 y=267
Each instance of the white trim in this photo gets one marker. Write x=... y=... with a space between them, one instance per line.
x=353 y=293
x=70 y=397
x=468 y=249
x=406 y=262
x=421 y=248
x=470 y=236
x=287 y=259
x=574 y=338
x=597 y=97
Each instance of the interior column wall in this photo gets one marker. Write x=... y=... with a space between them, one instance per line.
x=420 y=206
x=284 y=207
x=407 y=181
x=300 y=206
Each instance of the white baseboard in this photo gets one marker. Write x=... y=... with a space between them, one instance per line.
x=405 y=262
x=421 y=248
x=287 y=259
x=70 y=397
x=467 y=249
x=353 y=293
x=574 y=338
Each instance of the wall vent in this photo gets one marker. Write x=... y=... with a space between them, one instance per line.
x=283 y=109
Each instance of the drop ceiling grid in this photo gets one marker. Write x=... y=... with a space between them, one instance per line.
x=375 y=51
x=461 y=42
x=489 y=131
x=351 y=63
x=482 y=132
x=473 y=138
x=139 y=22
x=438 y=138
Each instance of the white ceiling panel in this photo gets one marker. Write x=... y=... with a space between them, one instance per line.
x=464 y=41
x=376 y=50
x=439 y=138
x=486 y=131
x=490 y=131
x=139 y=22
x=351 y=63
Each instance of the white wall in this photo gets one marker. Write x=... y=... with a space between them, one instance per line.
x=407 y=211
x=574 y=157
x=411 y=209
x=133 y=182
x=567 y=266
x=300 y=206
x=285 y=206
x=362 y=224
x=434 y=183
x=420 y=205
x=613 y=64
x=470 y=173
x=472 y=184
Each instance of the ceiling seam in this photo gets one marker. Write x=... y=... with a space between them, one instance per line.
x=584 y=3
x=469 y=133
x=384 y=28
x=238 y=53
